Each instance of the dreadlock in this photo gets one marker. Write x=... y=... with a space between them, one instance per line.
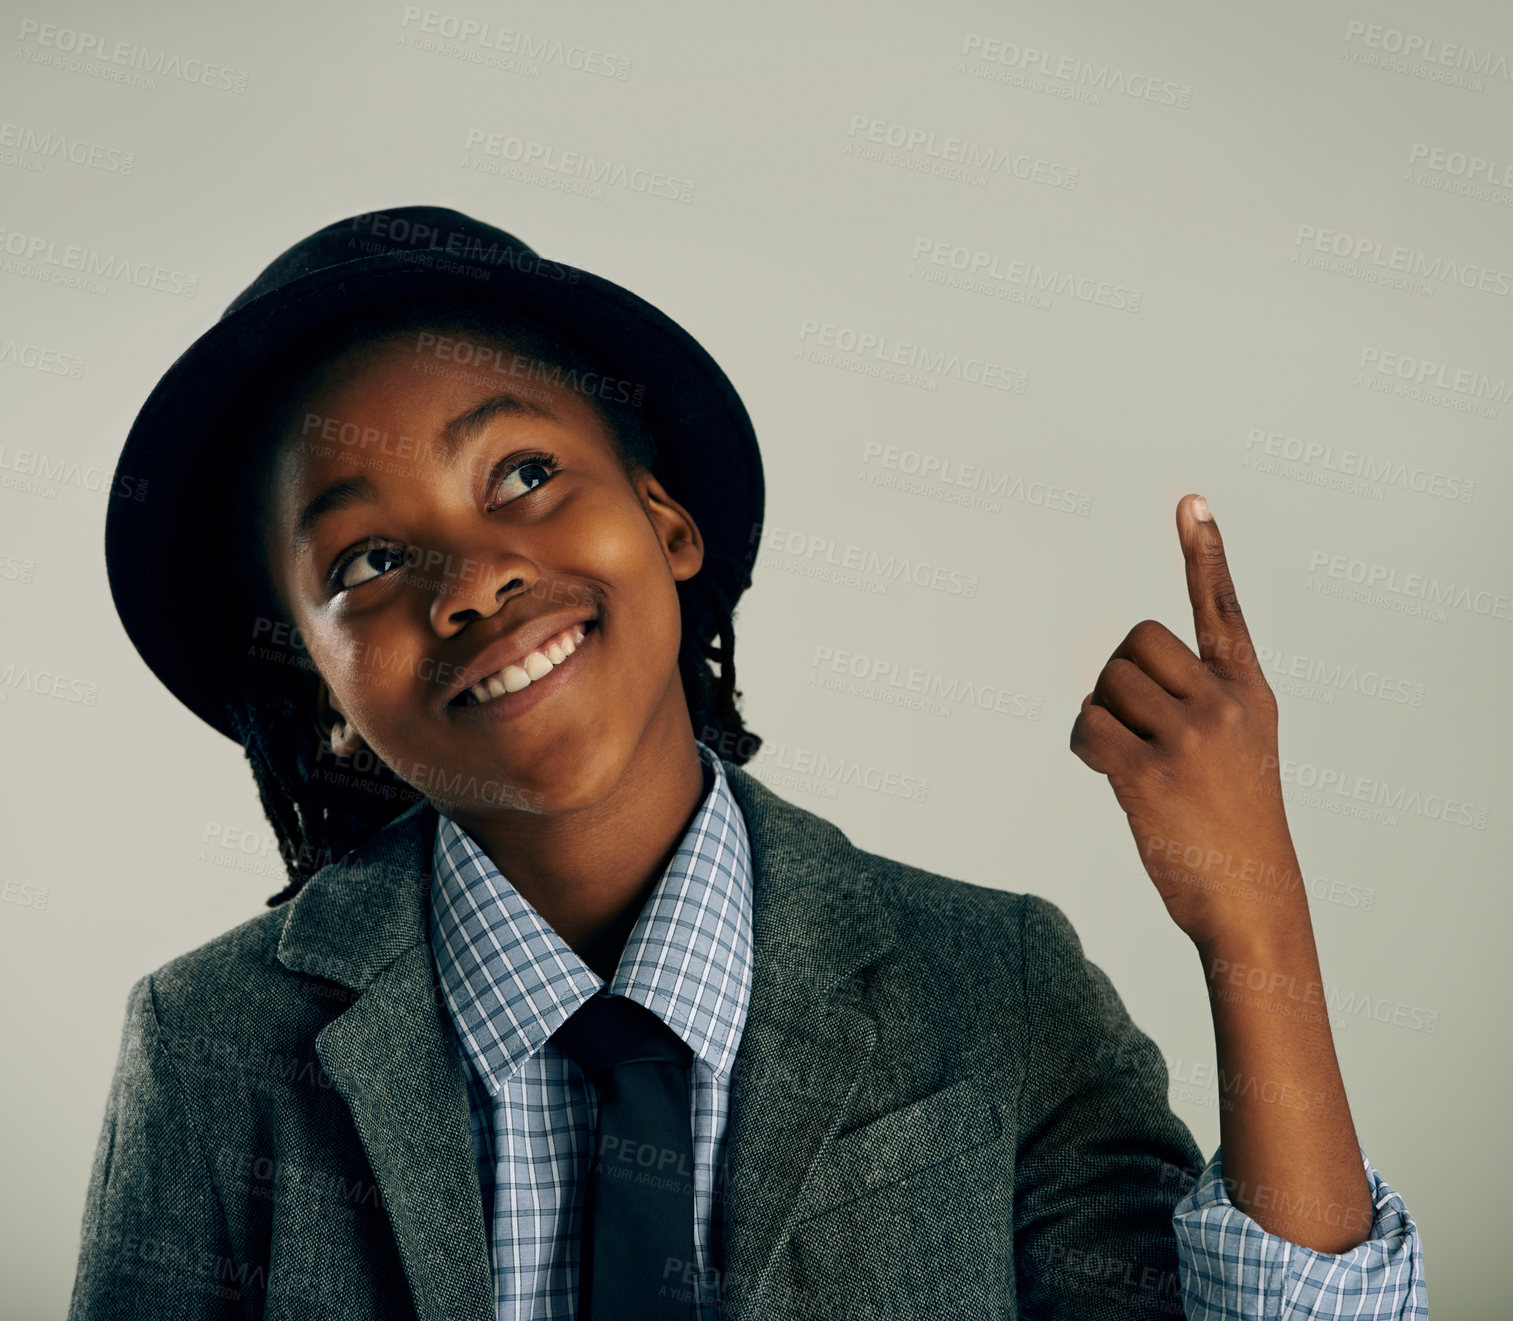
x=322 y=806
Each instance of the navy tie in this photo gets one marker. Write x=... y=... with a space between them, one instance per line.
x=637 y=1240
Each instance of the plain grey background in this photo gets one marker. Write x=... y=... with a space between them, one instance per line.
x=1306 y=200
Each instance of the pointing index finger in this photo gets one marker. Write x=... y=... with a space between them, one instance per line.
x=1223 y=638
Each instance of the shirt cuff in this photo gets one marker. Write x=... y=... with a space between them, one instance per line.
x=1233 y=1270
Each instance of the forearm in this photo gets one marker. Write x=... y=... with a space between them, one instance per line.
x=1292 y=1161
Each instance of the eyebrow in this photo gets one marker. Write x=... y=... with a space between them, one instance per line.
x=454 y=436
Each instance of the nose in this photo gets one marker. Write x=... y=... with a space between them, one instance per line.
x=468 y=587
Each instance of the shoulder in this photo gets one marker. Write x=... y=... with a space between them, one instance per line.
x=230 y=1000
x=237 y=953
x=916 y=898
x=1007 y=953
x=921 y=900
x=942 y=926
x=955 y=922
x=288 y=971
x=990 y=982
x=959 y=977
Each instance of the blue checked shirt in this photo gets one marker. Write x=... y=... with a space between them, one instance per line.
x=510 y=981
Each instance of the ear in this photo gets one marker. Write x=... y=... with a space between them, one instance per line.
x=682 y=542
x=332 y=724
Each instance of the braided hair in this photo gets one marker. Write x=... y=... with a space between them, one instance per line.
x=322 y=806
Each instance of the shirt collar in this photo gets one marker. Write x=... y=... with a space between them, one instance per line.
x=510 y=980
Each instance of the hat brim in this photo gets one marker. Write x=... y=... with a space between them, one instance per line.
x=168 y=579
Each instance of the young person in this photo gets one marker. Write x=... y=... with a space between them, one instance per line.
x=563 y=1013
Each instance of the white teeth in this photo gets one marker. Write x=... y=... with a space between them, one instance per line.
x=539 y=663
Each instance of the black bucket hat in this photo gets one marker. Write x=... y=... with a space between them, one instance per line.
x=166 y=522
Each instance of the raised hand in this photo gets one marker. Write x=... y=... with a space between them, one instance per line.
x=1189 y=745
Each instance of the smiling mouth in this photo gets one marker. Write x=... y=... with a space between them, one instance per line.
x=523 y=673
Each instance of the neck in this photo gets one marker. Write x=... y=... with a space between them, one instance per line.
x=589 y=871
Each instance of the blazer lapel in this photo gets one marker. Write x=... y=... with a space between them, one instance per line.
x=391 y=1055
x=807 y=1038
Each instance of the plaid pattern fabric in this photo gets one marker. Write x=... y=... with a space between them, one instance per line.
x=510 y=981
x=1231 y=1268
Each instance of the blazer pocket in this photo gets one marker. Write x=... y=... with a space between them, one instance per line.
x=919 y=1136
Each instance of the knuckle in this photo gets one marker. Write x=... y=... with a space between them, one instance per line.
x=1227 y=603
x=1211 y=554
x=1084 y=732
x=1162 y=774
x=1119 y=667
x=1188 y=741
x=1230 y=712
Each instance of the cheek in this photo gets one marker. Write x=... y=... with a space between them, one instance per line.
x=629 y=555
x=364 y=676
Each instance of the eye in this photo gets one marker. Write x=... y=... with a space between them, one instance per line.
x=380 y=558
x=524 y=463
x=369 y=557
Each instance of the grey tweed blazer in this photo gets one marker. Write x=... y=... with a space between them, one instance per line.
x=940 y=1109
